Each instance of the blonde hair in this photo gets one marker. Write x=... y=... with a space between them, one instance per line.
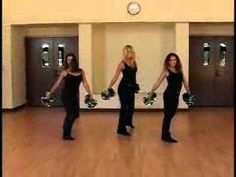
x=128 y=49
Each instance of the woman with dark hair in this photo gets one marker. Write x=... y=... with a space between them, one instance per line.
x=172 y=71
x=126 y=89
x=72 y=76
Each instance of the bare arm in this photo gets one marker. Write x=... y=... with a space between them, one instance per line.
x=186 y=86
x=58 y=81
x=117 y=73
x=159 y=80
x=85 y=83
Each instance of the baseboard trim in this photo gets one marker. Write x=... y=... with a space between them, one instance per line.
x=14 y=109
x=96 y=110
x=117 y=110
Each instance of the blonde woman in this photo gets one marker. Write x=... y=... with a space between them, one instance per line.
x=126 y=89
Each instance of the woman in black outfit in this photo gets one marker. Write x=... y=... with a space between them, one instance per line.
x=126 y=89
x=72 y=76
x=172 y=71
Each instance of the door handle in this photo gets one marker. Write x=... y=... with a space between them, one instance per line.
x=219 y=73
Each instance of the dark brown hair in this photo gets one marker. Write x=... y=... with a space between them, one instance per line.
x=178 y=66
x=74 y=66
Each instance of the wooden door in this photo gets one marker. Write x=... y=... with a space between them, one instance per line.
x=62 y=46
x=44 y=61
x=223 y=80
x=211 y=82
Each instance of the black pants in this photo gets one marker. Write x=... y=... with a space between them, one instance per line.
x=127 y=98
x=71 y=106
x=171 y=101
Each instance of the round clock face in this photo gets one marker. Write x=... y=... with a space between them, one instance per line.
x=133 y=8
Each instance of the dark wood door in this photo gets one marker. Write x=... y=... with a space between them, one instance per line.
x=44 y=61
x=224 y=76
x=211 y=80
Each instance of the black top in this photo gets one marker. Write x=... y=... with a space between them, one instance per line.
x=174 y=81
x=129 y=76
x=71 y=85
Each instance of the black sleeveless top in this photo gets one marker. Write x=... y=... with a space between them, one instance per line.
x=174 y=81
x=129 y=77
x=71 y=85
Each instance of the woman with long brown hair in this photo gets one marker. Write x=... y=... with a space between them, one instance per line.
x=173 y=72
x=73 y=76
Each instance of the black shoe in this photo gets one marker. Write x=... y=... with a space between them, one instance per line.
x=169 y=139
x=132 y=126
x=125 y=133
x=68 y=138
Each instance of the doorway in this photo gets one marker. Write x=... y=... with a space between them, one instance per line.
x=44 y=60
x=211 y=66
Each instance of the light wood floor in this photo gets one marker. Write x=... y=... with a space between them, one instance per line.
x=32 y=145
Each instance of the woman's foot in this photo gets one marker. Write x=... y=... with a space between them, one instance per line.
x=169 y=139
x=131 y=126
x=123 y=132
x=70 y=138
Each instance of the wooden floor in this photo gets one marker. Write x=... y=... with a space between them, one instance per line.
x=32 y=145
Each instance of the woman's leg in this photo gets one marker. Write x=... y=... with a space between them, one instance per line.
x=123 y=114
x=170 y=107
x=71 y=115
x=130 y=102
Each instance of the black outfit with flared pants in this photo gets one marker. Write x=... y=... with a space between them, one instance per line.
x=70 y=101
x=126 y=92
x=171 y=100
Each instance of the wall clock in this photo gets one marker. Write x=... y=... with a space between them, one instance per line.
x=134 y=8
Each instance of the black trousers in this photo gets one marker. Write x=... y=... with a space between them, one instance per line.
x=171 y=101
x=71 y=106
x=127 y=98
